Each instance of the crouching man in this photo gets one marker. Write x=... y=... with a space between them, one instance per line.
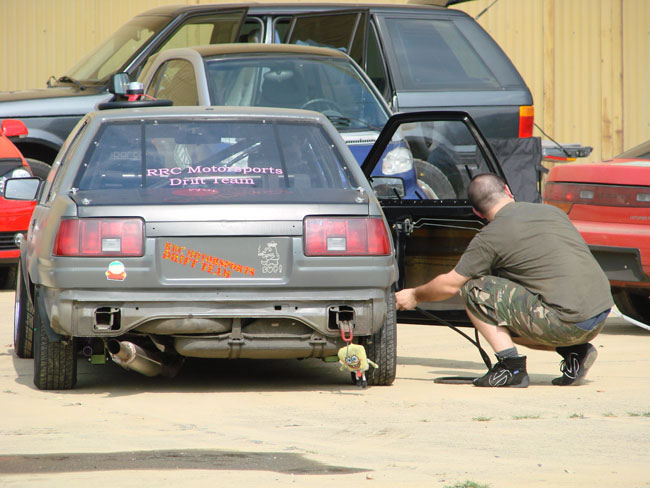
x=527 y=278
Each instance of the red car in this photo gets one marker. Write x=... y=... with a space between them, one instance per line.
x=14 y=215
x=609 y=203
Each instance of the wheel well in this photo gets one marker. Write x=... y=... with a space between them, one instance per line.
x=31 y=150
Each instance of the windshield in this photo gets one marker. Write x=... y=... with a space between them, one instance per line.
x=331 y=86
x=115 y=52
x=173 y=161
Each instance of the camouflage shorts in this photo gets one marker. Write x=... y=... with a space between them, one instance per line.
x=499 y=301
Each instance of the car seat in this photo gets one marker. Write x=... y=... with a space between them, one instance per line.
x=283 y=88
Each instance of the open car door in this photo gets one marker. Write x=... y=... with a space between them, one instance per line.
x=431 y=234
x=339 y=29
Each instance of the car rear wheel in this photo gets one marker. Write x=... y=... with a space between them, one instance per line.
x=382 y=348
x=23 y=320
x=55 y=362
x=634 y=305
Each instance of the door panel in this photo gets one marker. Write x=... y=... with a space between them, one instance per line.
x=431 y=234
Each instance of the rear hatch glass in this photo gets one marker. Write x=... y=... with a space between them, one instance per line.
x=211 y=161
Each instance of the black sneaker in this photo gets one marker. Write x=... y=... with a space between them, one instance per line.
x=577 y=361
x=508 y=372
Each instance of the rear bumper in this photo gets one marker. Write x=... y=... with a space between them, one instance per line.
x=287 y=315
x=622 y=250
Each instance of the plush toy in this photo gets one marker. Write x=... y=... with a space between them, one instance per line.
x=353 y=358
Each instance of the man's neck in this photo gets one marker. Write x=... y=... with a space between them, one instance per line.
x=498 y=206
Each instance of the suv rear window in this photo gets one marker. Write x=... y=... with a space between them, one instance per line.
x=433 y=54
x=207 y=159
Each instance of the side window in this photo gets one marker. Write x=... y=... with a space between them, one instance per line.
x=208 y=29
x=252 y=31
x=54 y=178
x=175 y=80
x=445 y=157
x=375 y=65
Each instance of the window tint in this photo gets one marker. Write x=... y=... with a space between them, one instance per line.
x=213 y=159
x=375 y=67
x=175 y=80
x=434 y=55
x=328 y=85
x=207 y=29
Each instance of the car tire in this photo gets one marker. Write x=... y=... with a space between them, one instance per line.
x=55 y=361
x=634 y=305
x=23 y=320
x=382 y=348
x=432 y=179
x=40 y=169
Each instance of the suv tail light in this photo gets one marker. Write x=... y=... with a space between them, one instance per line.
x=346 y=236
x=564 y=195
x=526 y=120
x=100 y=237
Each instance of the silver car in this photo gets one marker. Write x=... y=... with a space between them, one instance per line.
x=164 y=233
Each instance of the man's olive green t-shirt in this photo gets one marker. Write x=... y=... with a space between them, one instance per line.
x=537 y=246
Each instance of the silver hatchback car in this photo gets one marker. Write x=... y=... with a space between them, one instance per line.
x=164 y=233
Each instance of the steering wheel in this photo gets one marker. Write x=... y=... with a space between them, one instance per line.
x=325 y=102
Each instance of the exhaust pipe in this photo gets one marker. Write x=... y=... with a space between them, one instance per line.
x=131 y=356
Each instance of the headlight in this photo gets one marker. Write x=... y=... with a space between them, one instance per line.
x=14 y=173
x=398 y=160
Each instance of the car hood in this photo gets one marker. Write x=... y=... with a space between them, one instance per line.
x=40 y=102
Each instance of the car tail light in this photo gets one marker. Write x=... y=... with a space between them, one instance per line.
x=526 y=120
x=564 y=195
x=346 y=236
x=100 y=237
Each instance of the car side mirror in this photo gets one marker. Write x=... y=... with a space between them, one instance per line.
x=118 y=83
x=388 y=187
x=22 y=188
x=13 y=128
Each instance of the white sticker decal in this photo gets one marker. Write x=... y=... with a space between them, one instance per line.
x=270 y=258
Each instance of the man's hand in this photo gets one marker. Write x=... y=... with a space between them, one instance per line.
x=405 y=299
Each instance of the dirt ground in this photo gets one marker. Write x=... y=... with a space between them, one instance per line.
x=302 y=423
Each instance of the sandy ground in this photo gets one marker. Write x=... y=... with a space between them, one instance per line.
x=301 y=423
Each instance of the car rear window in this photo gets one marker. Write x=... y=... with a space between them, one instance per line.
x=204 y=159
x=433 y=54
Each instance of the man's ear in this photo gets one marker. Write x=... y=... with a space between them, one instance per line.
x=478 y=214
x=508 y=192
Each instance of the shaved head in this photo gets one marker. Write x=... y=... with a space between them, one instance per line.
x=486 y=190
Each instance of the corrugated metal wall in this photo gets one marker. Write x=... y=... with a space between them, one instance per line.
x=587 y=62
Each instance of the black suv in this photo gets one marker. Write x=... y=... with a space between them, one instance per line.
x=420 y=58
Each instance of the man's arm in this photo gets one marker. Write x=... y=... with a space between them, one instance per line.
x=440 y=288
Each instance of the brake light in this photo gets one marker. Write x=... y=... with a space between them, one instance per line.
x=526 y=120
x=100 y=237
x=564 y=195
x=346 y=236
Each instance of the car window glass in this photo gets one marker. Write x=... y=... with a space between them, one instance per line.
x=375 y=67
x=252 y=30
x=339 y=30
x=54 y=177
x=281 y=29
x=112 y=55
x=175 y=80
x=445 y=156
x=433 y=54
x=212 y=160
x=207 y=29
x=332 y=86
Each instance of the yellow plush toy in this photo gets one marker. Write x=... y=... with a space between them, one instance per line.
x=353 y=358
